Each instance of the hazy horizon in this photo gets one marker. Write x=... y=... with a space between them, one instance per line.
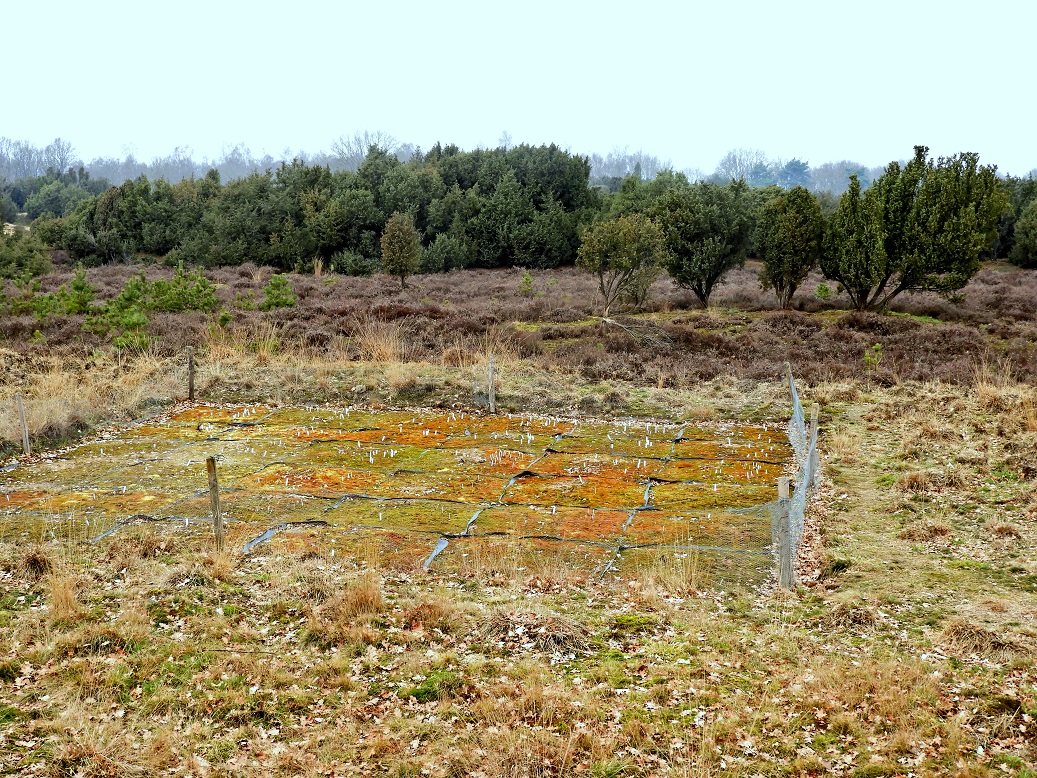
x=684 y=84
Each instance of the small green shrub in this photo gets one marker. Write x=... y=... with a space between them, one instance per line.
x=873 y=356
x=245 y=301
x=8 y=714
x=22 y=254
x=77 y=295
x=351 y=263
x=183 y=292
x=823 y=292
x=278 y=294
x=447 y=252
x=525 y=287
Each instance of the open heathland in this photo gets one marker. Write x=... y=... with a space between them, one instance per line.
x=907 y=647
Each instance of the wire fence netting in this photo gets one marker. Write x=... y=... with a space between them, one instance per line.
x=434 y=489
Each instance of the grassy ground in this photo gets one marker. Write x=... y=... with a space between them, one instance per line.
x=907 y=649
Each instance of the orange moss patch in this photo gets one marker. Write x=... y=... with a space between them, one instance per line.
x=417 y=471
x=261 y=509
x=589 y=492
x=392 y=549
x=20 y=499
x=721 y=471
x=105 y=505
x=310 y=481
x=377 y=458
x=571 y=523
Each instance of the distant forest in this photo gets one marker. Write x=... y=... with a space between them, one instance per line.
x=510 y=206
x=23 y=160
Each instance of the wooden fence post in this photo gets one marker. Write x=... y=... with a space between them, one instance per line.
x=491 y=390
x=786 y=574
x=214 y=499
x=21 y=421
x=190 y=374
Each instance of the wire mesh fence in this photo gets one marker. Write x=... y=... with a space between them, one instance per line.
x=445 y=490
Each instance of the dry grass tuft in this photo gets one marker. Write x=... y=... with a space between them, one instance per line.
x=915 y=481
x=474 y=351
x=316 y=587
x=850 y=616
x=346 y=618
x=925 y=532
x=1001 y=529
x=35 y=563
x=545 y=630
x=971 y=639
x=843 y=446
x=438 y=614
x=213 y=569
x=380 y=341
x=362 y=597
x=995 y=387
x=87 y=758
x=1029 y=414
x=63 y=597
x=220 y=566
x=100 y=639
x=126 y=550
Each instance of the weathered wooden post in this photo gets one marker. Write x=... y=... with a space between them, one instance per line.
x=21 y=421
x=786 y=573
x=491 y=390
x=190 y=374
x=214 y=499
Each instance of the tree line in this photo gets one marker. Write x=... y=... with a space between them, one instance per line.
x=921 y=225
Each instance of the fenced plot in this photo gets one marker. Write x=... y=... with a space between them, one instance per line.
x=414 y=488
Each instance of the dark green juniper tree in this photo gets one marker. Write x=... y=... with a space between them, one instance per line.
x=920 y=227
x=401 y=247
x=788 y=239
x=707 y=228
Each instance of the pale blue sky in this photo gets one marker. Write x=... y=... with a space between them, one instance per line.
x=688 y=81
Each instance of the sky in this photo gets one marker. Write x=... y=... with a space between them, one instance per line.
x=684 y=81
